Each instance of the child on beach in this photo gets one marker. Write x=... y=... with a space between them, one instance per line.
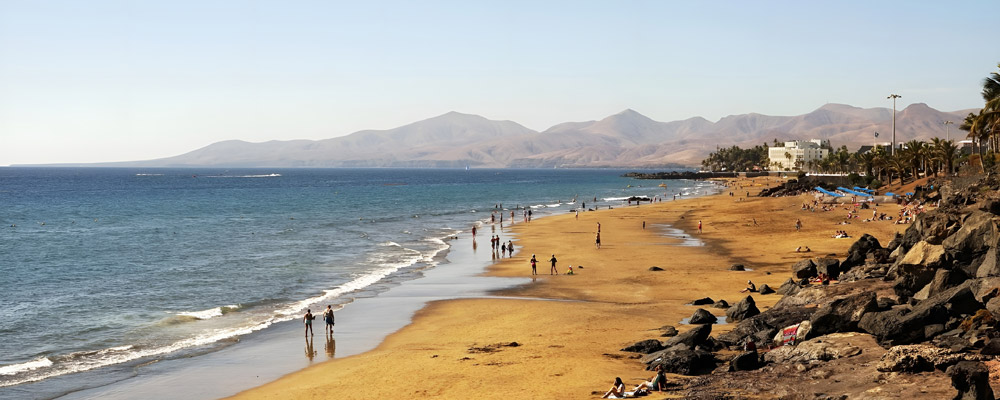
x=308 y=319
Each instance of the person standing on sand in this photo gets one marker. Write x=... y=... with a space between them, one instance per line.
x=503 y=249
x=553 y=270
x=473 y=230
x=598 y=240
x=533 y=262
x=699 y=226
x=798 y=225
x=308 y=319
x=510 y=248
x=328 y=318
x=643 y=225
x=598 y=227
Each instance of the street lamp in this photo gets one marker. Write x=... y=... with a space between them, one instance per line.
x=894 y=97
x=946 y=131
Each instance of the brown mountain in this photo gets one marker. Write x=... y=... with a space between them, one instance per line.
x=626 y=139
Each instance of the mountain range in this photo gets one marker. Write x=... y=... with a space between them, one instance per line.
x=626 y=139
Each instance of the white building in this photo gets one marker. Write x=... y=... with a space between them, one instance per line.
x=796 y=154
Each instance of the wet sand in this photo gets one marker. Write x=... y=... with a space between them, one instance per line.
x=514 y=347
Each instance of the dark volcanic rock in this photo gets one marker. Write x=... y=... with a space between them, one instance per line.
x=902 y=326
x=737 y=267
x=681 y=360
x=693 y=337
x=885 y=303
x=703 y=301
x=972 y=379
x=721 y=304
x=804 y=269
x=748 y=361
x=943 y=279
x=746 y=308
x=842 y=315
x=668 y=331
x=645 y=346
x=828 y=266
x=974 y=237
x=858 y=252
x=655 y=268
x=788 y=288
x=764 y=289
x=702 y=316
x=762 y=327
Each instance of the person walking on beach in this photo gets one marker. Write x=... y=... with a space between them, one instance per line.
x=643 y=225
x=473 y=230
x=510 y=248
x=553 y=270
x=533 y=262
x=598 y=240
x=308 y=319
x=598 y=227
x=699 y=226
x=503 y=249
x=798 y=225
x=328 y=318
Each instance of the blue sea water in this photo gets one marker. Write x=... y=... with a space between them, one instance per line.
x=105 y=266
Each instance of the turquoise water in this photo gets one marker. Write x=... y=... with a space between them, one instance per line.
x=106 y=266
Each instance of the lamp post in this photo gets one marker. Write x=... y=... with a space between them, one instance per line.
x=946 y=131
x=894 y=97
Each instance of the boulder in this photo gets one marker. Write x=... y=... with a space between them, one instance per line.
x=823 y=348
x=721 y=304
x=804 y=269
x=655 y=268
x=843 y=315
x=645 y=346
x=858 y=252
x=974 y=238
x=885 y=303
x=943 y=279
x=693 y=337
x=972 y=379
x=990 y=266
x=737 y=267
x=828 y=266
x=702 y=316
x=681 y=360
x=788 y=288
x=668 y=331
x=746 y=308
x=991 y=348
x=924 y=254
x=993 y=306
x=764 y=289
x=748 y=361
x=702 y=301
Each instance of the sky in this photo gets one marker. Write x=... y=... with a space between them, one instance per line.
x=100 y=81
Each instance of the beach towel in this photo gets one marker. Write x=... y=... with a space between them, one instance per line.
x=789 y=334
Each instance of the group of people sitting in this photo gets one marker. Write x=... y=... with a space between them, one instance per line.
x=841 y=235
x=657 y=383
x=822 y=279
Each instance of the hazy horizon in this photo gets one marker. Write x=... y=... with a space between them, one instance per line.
x=112 y=81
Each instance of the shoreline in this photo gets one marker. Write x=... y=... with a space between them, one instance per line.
x=570 y=349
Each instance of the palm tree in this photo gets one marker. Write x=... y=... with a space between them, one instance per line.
x=866 y=161
x=916 y=155
x=946 y=151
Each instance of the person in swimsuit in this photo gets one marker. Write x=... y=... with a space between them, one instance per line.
x=553 y=270
x=328 y=318
x=533 y=262
x=308 y=319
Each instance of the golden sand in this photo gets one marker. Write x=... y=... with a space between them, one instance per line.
x=570 y=349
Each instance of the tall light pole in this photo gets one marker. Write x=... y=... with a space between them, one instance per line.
x=894 y=97
x=946 y=131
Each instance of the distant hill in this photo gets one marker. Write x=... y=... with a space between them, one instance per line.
x=626 y=139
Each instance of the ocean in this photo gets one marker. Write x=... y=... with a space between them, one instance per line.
x=108 y=266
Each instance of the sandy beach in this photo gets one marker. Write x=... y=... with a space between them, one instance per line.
x=559 y=336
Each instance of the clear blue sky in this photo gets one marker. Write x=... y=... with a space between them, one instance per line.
x=90 y=81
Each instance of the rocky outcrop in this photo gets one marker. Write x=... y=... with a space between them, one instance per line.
x=903 y=325
x=747 y=361
x=764 y=289
x=681 y=360
x=702 y=301
x=746 y=308
x=843 y=315
x=788 y=288
x=823 y=348
x=828 y=266
x=693 y=337
x=921 y=358
x=804 y=269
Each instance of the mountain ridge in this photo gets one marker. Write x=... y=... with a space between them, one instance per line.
x=626 y=139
